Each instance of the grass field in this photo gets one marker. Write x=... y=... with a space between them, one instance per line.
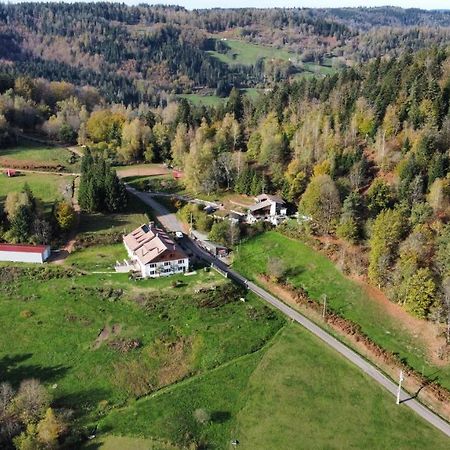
x=31 y=155
x=293 y=394
x=247 y=54
x=97 y=258
x=302 y=395
x=46 y=187
x=71 y=324
x=313 y=271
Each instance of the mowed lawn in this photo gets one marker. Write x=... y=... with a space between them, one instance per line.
x=46 y=187
x=97 y=258
x=318 y=275
x=31 y=155
x=295 y=393
x=302 y=395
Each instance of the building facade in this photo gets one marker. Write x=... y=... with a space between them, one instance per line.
x=154 y=253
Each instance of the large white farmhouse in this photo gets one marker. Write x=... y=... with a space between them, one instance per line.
x=154 y=253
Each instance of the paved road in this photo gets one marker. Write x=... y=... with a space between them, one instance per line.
x=171 y=223
x=168 y=220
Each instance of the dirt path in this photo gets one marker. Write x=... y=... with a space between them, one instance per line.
x=59 y=258
x=143 y=171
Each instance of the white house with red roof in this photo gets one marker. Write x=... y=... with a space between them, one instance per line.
x=154 y=253
x=24 y=253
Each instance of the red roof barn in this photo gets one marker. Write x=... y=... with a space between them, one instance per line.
x=24 y=253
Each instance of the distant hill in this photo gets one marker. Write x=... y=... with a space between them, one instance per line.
x=143 y=53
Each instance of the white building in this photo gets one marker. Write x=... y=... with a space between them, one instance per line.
x=24 y=253
x=267 y=207
x=153 y=252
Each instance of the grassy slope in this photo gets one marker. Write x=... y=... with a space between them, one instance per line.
x=302 y=395
x=38 y=154
x=97 y=258
x=56 y=344
x=170 y=414
x=319 y=276
x=247 y=53
x=46 y=187
x=295 y=394
x=206 y=100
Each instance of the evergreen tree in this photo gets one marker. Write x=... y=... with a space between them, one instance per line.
x=20 y=229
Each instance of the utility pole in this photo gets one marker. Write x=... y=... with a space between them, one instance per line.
x=399 y=387
x=324 y=311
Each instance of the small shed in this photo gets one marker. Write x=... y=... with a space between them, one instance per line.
x=10 y=172
x=24 y=253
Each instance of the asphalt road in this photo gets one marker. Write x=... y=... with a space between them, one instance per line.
x=171 y=223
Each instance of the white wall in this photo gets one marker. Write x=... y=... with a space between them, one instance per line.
x=21 y=257
x=174 y=267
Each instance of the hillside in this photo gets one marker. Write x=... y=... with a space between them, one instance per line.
x=144 y=53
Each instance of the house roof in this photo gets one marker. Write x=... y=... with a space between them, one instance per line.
x=151 y=244
x=23 y=248
x=260 y=205
x=271 y=198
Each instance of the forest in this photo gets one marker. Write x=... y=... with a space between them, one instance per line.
x=144 y=53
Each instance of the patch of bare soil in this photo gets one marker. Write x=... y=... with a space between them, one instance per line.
x=106 y=333
x=153 y=170
x=429 y=393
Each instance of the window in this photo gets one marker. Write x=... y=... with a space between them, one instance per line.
x=181 y=261
x=167 y=263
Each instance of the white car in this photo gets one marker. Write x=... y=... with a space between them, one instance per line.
x=179 y=234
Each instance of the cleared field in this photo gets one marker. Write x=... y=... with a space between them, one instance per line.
x=126 y=443
x=293 y=394
x=46 y=187
x=142 y=170
x=31 y=155
x=247 y=54
x=97 y=258
x=317 y=274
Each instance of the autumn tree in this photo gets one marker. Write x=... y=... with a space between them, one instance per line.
x=65 y=215
x=387 y=232
x=321 y=202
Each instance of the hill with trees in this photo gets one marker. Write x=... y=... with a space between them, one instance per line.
x=146 y=53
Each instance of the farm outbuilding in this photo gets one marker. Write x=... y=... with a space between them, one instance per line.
x=24 y=253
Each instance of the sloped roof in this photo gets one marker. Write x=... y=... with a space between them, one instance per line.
x=260 y=205
x=271 y=198
x=151 y=244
